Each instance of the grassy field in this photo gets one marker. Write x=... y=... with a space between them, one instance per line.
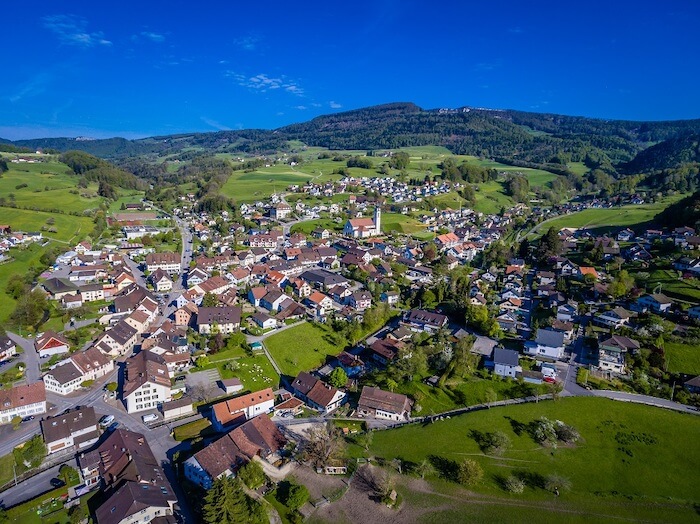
x=49 y=186
x=687 y=290
x=626 y=463
x=254 y=372
x=683 y=358
x=536 y=177
x=69 y=228
x=302 y=348
x=308 y=226
x=609 y=218
x=491 y=197
x=399 y=223
x=197 y=428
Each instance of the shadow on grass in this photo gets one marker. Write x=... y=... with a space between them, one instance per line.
x=446 y=468
x=518 y=427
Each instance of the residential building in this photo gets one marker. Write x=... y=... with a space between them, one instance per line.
x=421 y=320
x=377 y=403
x=146 y=382
x=317 y=394
x=120 y=339
x=160 y=280
x=76 y=428
x=22 y=401
x=168 y=262
x=135 y=488
x=51 y=343
x=505 y=363
x=616 y=317
x=612 y=351
x=656 y=302
x=225 y=320
x=548 y=343
x=239 y=409
x=258 y=437
x=8 y=348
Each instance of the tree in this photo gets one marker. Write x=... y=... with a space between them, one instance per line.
x=469 y=472
x=550 y=246
x=338 y=378
x=296 y=496
x=323 y=443
x=210 y=300
x=112 y=386
x=425 y=468
x=77 y=514
x=68 y=475
x=227 y=503
x=514 y=484
x=252 y=475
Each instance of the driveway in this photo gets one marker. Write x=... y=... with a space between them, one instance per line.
x=29 y=356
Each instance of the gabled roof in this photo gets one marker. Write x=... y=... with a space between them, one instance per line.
x=375 y=398
x=507 y=357
x=550 y=338
x=229 y=410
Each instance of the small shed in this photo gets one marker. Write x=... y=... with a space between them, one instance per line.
x=177 y=408
x=231 y=385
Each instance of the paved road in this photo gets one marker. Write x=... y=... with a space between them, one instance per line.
x=33 y=486
x=30 y=357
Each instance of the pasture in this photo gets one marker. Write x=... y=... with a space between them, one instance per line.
x=682 y=358
x=626 y=463
x=398 y=223
x=303 y=347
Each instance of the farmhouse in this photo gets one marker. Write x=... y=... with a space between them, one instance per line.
x=377 y=403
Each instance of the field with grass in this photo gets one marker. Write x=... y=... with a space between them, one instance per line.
x=303 y=347
x=255 y=372
x=197 y=428
x=491 y=197
x=69 y=229
x=308 y=226
x=626 y=464
x=682 y=358
x=672 y=285
x=536 y=177
x=605 y=219
x=399 y=223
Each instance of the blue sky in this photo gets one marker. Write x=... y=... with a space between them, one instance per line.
x=138 y=69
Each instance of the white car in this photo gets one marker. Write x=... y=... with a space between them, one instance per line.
x=150 y=417
x=106 y=420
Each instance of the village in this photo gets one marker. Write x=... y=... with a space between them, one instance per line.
x=200 y=345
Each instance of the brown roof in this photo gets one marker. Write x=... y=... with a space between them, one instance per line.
x=162 y=258
x=322 y=393
x=386 y=348
x=304 y=382
x=221 y=455
x=146 y=366
x=213 y=284
x=22 y=395
x=220 y=315
x=259 y=436
x=229 y=410
x=373 y=398
x=62 y=426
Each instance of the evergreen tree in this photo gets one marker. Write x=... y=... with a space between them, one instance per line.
x=227 y=503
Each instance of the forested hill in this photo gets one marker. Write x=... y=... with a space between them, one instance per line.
x=668 y=154
x=515 y=136
x=685 y=212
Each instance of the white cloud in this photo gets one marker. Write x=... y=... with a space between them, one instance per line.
x=154 y=37
x=72 y=30
x=334 y=105
x=300 y=108
x=248 y=43
x=214 y=124
x=263 y=83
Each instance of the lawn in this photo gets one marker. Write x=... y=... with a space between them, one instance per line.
x=197 y=428
x=255 y=372
x=260 y=184
x=303 y=348
x=687 y=290
x=401 y=224
x=610 y=218
x=69 y=228
x=628 y=452
x=6 y=464
x=308 y=226
x=682 y=358
x=491 y=197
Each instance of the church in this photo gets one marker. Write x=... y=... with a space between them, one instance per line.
x=364 y=227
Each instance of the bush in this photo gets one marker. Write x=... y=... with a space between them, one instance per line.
x=469 y=472
x=496 y=443
x=543 y=432
x=566 y=433
x=514 y=485
x=252 y=475
x=556 y=482
x=112 y=386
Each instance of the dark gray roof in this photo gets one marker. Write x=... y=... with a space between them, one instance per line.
x=547 y=337
x=507 y=357
x=62 y=426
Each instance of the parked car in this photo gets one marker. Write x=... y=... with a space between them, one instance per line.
x=151 y=417
x=106 y=420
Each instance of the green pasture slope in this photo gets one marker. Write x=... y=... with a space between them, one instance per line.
x=633 y=462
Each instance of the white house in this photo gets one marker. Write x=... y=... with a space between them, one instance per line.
x=505 y=363
x=22 y=401
x=146 y=382
x=51 y=343
x=547 y=343
x=657 y=302
x=67 y=377
x=240 y=409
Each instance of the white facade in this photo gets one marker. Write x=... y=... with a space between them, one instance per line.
x=148 y=396
x=37 y=408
